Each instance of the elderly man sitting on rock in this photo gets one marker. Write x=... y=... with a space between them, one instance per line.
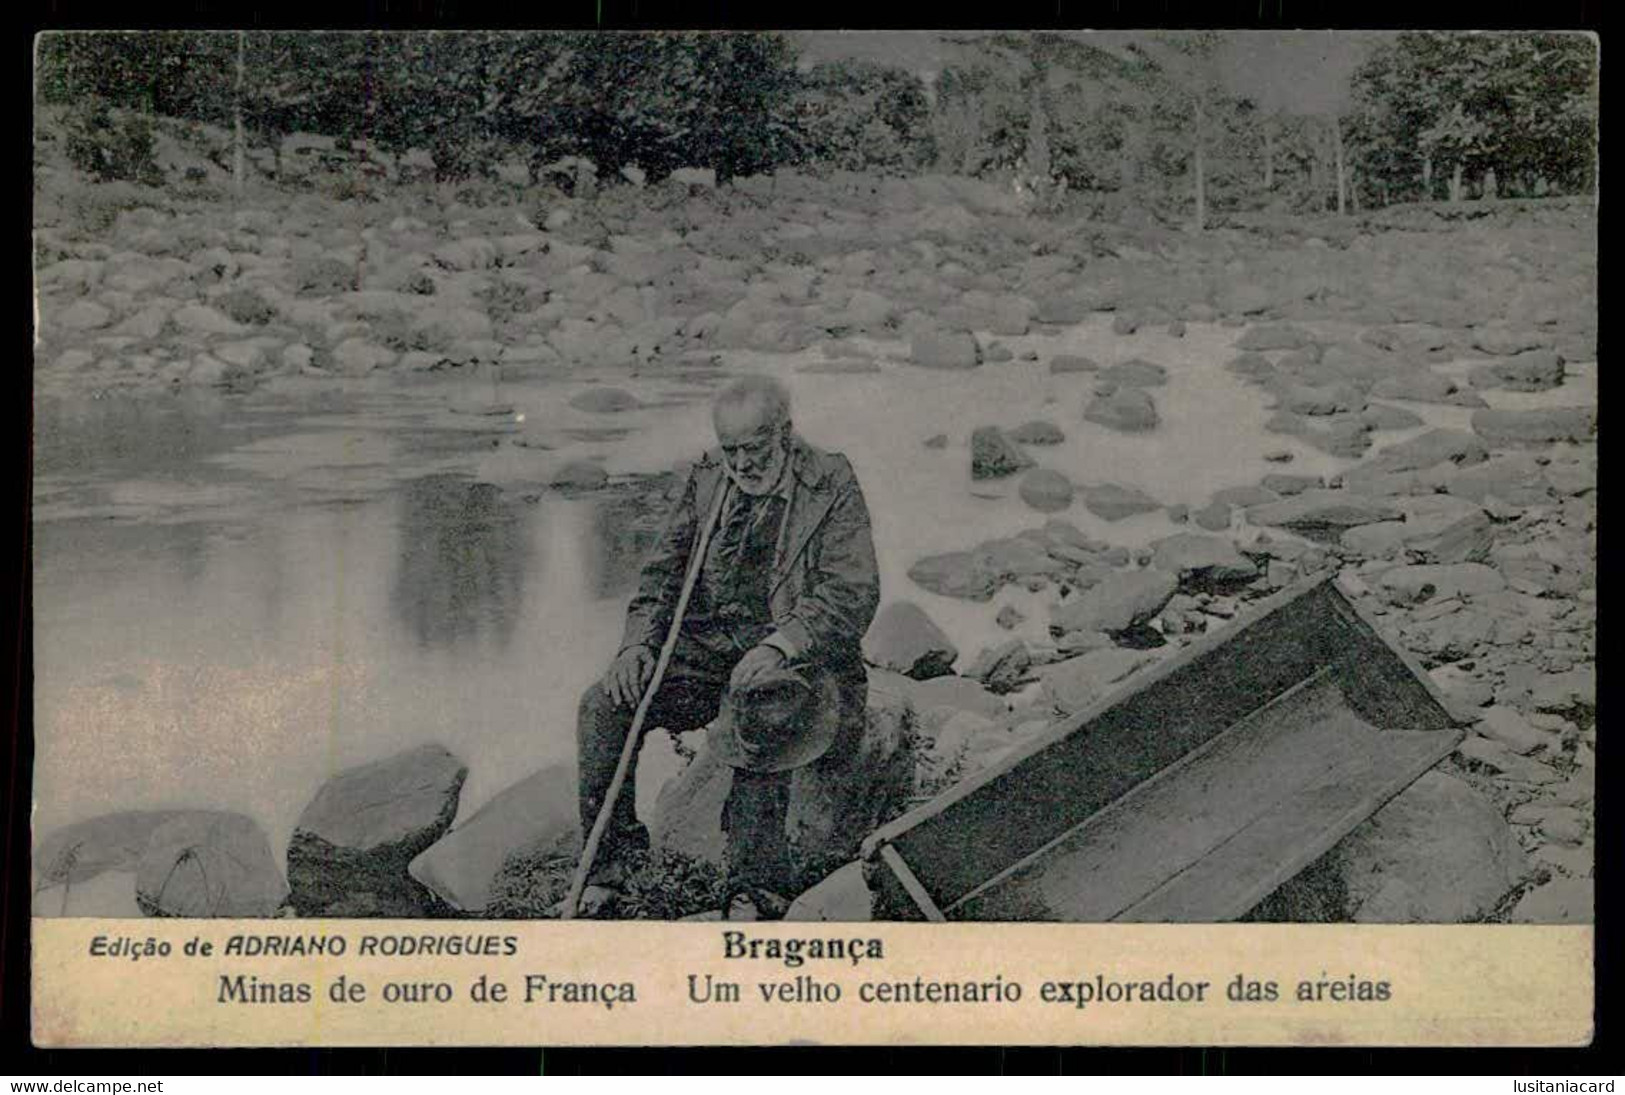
x=767 y=651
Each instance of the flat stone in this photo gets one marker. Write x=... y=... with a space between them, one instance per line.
x=1560 y=901
x=1445 y=580
x=1072 y=363
x=1128 y=409
x=1037 y=433
x=1286 y=485
x=994 y=455
x=1111 y=502
x=1045 y=490
x=83 y=315
x=1078 y=683
x=579 y=475
x=605 y=401
x=1136 y=373
x=202 y=318
x=1215 y=517
x=1535 y=427
x=945 y=350
x=1530 y=371
x=1508 y=726
x=1202 y=563
x=1124 y=601
x=1281 y=336
x=1323 y=509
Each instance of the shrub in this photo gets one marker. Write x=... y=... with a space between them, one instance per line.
x=111 y=149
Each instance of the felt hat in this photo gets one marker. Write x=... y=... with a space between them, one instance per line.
x=776 y=722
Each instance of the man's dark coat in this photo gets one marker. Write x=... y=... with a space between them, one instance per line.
x=825 y=585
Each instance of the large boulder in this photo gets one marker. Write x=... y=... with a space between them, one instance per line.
x=945 y=350
x=907 y=641
x=1121 y=602
x=993 y=455
x=535 y=817
x=209 y=863
x=352 y=845
x=1535 y=427
x=1437 y=853
x=1129 y=409
x=835 y=802
x=111 y=842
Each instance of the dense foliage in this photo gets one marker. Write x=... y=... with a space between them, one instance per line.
x=1161 y=122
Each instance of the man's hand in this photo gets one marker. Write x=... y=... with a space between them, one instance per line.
x=758 y=660
x=629 y=674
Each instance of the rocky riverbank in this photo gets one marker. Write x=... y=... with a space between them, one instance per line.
x=1468 y=330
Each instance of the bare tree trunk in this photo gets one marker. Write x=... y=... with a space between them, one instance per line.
x=1337 y=154
x=1427 y=178
x=237 y=112
x=1201 y=180
x=1455 y=183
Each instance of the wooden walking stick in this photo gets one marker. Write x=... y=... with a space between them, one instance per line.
x=589 y=851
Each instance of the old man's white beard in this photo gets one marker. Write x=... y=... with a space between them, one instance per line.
x=758 y=484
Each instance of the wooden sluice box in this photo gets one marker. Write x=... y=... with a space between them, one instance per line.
x=1192 y=792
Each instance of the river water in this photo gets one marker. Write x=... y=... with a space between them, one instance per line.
x=236 y=596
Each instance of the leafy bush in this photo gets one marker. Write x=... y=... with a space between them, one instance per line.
x=109 y=148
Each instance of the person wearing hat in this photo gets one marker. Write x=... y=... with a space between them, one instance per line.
x=767 y=652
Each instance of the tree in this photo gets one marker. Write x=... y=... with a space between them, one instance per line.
x=1521 y=104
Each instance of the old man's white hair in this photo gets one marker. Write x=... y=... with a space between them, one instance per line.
x=773 y=395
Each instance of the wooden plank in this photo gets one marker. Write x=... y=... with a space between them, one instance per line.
x=957 y=842
x=1305 y=742
x=889 y=856
x=1230 y=881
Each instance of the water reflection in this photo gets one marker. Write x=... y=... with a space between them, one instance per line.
x=464 y=551
x=625 y=526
